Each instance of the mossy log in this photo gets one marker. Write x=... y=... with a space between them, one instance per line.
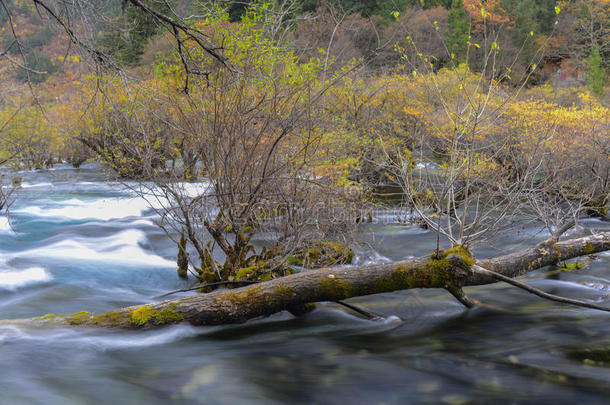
x=450 y=270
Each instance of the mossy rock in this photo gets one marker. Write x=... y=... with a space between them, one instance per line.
x=591 y=356
x=572 y=266
x=322 y=254
x=262 y=271
x=207 y=275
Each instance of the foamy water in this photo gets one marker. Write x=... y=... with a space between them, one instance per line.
x=12 y=279
x=120 y=248
x=35 y=185
x=107 y=341
x=101 y=209
x=5 y=226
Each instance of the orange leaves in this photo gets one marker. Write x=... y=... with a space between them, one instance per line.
x=485 y=13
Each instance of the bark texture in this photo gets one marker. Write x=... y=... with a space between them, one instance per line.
x=451 y=270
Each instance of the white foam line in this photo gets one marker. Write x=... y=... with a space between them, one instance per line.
x=5 y=226
x=121 y=248
x=32 y=185
x=73 y=338
x=14 y=279
x=102 y=209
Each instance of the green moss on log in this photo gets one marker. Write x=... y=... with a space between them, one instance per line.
x=146 y=315
x=439 y=267
x=435 y=273
x=284 y=293
x=47 y=317
x=335 y=287
x=402 y=278
x=112 y=319
x=79 y=318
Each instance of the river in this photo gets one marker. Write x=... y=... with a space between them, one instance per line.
x=78 y=242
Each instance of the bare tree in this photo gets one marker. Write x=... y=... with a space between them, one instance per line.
x=255 y=137
x=470 y=177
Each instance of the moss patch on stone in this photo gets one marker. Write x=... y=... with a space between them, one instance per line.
x=591 y=356
x=322 y=254
x=262 y=270
x=256 y=272
x=572 y=266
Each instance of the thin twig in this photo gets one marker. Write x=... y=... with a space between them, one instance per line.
x=217 y=284
x=361 y=311
x=536 y=291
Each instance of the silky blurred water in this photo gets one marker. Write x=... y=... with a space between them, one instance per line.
x=77 y=242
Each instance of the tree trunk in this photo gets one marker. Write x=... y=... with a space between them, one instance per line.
x=451 y=270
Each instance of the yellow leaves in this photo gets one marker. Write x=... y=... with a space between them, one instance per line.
x=396 y=15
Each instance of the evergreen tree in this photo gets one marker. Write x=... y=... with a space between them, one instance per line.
x=126 y=37
x=458 y=32
x=36 y=61
x=595 y=73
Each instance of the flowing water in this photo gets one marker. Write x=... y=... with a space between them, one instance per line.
x=80 y=243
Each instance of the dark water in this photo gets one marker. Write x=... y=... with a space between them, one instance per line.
x=79 y=243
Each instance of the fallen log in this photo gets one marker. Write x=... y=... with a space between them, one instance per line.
x=451 y=270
